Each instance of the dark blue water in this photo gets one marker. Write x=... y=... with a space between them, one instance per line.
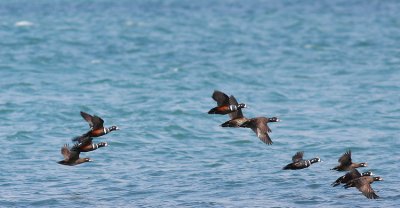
x=328 y=69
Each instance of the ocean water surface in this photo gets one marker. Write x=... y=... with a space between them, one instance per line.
x=328 y=69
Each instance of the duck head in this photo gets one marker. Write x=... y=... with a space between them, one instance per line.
x=113 y=128
x=368 y=173
x=242 y=105
x=273 y=119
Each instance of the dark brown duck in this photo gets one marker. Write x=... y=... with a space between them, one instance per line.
x=345 y=163
x=71 y=156
x=363 y=184
x=224 y=106
x=353 y=174
x=260 y=127
x=96 y=127
x=299 y=163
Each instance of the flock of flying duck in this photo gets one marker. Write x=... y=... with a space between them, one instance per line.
x=229 y=105
x=84 y=143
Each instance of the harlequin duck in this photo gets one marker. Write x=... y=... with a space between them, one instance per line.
x=260 y=127
x=96 y=125
x=363 y=184
x=353 y=174
x=87 y=145
x=299 y=162
x=347 y=164
x=224 y=105
x=237 y=117
x=71 y=156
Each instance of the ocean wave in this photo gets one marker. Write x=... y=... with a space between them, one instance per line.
x=23 y=24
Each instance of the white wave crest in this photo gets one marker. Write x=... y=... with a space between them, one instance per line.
x=23 y=24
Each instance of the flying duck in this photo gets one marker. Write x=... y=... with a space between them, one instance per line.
x=71 y=156
x=363 y=184
x=96 y=127
x=237 y=118
x=345 y=163
x=299 y=162
x=87 y=145
x=353 y=174
x=260 y=127
x=224 y=106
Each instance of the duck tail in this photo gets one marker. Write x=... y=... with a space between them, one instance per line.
x=81 y=137
x=287 y=167
x=348 y=185
x=76 y=139
x=62 y=162
x=334 y=184
x=212 y=111
x=338 y=181
x=226 y=124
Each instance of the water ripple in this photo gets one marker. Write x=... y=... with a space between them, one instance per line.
x=151 y=67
